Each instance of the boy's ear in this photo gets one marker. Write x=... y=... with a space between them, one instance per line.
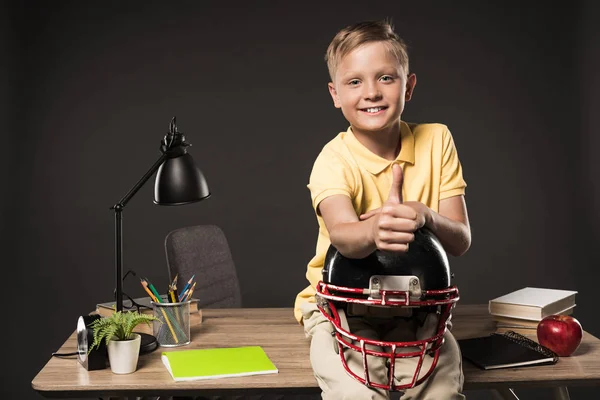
x=411 y=82
x=334 y=95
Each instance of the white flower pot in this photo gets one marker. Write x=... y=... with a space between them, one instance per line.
x=123 y=354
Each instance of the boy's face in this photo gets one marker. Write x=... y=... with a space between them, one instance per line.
x=371 y=87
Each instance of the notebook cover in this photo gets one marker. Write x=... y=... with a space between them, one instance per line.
x=186 y=365
x=504 y=351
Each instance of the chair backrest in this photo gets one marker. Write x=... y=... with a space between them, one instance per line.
x=203 y=250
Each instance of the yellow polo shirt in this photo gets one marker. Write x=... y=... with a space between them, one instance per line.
x=432 y=172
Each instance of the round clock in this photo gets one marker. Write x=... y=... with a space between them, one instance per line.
x=96 y=358
x=82 y=340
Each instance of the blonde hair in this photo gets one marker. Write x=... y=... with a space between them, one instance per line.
x=354 y=36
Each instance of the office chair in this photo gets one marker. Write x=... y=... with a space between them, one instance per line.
x=203 y=250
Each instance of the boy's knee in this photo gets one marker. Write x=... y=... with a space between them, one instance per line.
x=354 y=392
x=446 y=381
x=313 y=320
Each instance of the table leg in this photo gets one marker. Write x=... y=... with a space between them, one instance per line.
x=561 y=393
x=505 y=394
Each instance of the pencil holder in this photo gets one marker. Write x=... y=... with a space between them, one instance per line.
x=173 y=326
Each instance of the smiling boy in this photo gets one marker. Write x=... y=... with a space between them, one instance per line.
x=350 y=183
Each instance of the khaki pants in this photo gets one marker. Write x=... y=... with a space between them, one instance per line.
x=445 y=382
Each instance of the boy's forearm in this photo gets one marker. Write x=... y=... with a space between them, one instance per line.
x=455 y=236
x=353 y=239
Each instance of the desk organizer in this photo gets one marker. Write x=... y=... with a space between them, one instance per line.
x=173 y=326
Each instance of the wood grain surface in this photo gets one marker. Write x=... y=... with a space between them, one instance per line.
x=282 y=338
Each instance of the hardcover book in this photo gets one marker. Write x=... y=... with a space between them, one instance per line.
x=508 y=322
x=532 y=303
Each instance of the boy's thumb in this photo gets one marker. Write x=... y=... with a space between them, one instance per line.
x=395 y=195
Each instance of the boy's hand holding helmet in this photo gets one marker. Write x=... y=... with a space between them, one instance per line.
x=394 y=224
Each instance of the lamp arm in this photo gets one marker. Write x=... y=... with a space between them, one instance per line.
x=119 y=228
x=123 y=202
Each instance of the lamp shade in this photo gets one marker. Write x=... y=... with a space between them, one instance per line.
x=179 y=181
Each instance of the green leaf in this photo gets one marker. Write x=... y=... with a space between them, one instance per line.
x=119 y=326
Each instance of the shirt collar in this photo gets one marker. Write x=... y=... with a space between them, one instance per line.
x=375 y=164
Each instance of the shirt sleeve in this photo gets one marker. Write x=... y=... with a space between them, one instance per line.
x=330 y=175
x=452 y=182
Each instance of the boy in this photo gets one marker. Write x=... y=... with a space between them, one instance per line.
x=358 y=184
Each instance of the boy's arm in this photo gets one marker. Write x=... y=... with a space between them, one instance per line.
x=450 y=224
x=349 y=235
x=391 y=228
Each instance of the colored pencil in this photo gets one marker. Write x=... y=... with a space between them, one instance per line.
x=173 y=287
x=151 y=286
x=172 y=298
x=174 y=283
x=189 y=295
x=156 y=300
x=145 y=286
x=186 y=287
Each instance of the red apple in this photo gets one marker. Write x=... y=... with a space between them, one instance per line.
x=560 y=333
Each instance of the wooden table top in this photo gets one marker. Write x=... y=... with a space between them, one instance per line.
x=282 y=338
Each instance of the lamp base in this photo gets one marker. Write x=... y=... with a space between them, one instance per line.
x=149 y=343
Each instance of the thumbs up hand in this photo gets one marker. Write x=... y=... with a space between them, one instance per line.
x=394 y=224
x=395 y=196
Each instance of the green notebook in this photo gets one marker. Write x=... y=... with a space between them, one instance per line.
x=190 y=365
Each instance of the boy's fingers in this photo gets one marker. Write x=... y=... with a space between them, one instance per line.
x=369 y=214
x=398 y=224
x=395 y=195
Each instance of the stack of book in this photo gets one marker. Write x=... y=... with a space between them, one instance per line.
x=523 y=309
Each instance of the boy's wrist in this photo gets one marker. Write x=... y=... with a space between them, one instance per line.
x=429 y=217
x=425 y=215
x=370 y=231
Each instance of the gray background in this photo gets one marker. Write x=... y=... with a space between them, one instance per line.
x=89 y=89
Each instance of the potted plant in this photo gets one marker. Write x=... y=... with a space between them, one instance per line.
x=122 y=343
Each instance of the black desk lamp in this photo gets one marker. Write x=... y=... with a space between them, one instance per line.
x=178 y=181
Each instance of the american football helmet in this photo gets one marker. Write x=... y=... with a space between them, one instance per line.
x=416 y=280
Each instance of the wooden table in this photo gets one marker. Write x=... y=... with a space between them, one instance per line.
x=276 y=330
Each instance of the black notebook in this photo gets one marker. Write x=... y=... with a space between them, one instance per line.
x=506 y=350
